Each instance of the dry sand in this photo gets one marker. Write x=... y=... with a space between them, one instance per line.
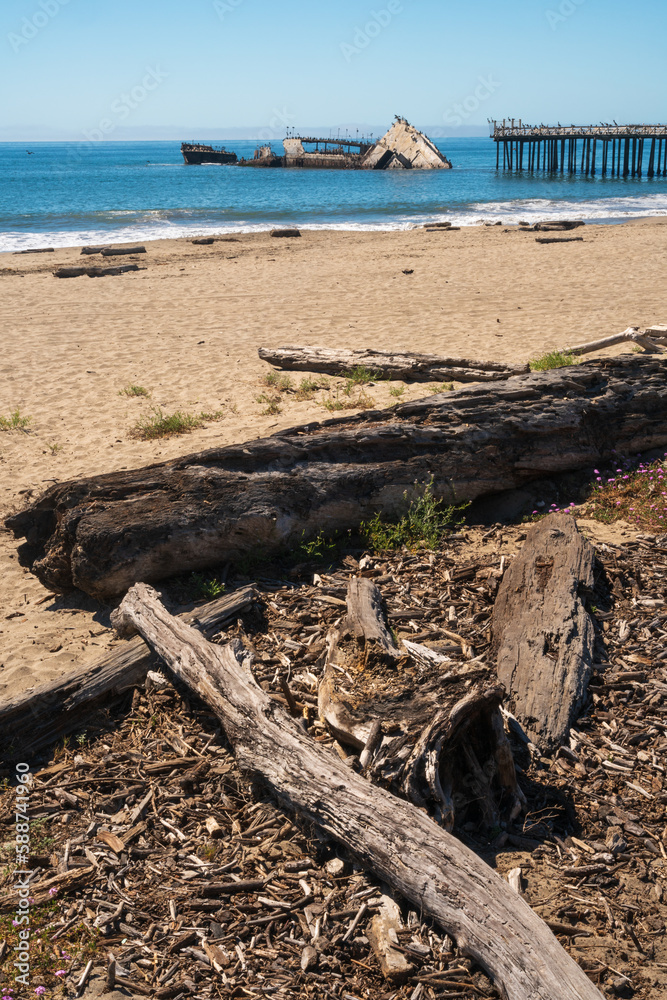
x=187 y=328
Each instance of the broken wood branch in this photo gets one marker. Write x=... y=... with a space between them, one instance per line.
x=36 y=718
x=644 y=338
x=542 y=633
x=398 y=365
x=93 y=272
x=440 y=876
x=103 y=533
x=443 y=743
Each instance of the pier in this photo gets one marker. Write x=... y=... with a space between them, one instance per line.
x=615 y=150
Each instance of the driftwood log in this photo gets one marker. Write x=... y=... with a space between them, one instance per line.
x=388 y=365
x=430 y=729
x=542 y=634
x=105 y=533
x=441 y=877
x=121 y=251
x=93 y=272
x=36 y=718
x=648 y=339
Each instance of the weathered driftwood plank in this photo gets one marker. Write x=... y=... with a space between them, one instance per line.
x=35 y=719
x=647 y=339
x=398 y=365
x=93 y=272
x=542 y=632
x=441 y=737
x=104 y=533
x=441 y=877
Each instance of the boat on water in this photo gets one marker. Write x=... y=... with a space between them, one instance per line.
x=196 y=152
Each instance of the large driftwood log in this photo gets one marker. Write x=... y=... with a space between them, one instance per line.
x=35 y=719
x=542 y=633
x=432 y=729
x=104 y=533
x=440 y=876
x=400 y=365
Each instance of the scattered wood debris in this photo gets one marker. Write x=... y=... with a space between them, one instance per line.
x=591 y=844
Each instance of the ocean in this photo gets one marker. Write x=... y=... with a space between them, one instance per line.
x=69 y=193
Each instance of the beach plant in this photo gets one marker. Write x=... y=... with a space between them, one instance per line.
x=442 y=387
x=134 y=390
x=272 y=404
x=318 y=548
x=553 y=359
x=282 y=383
x=425 y=521
x=158 y=424
x=308 y=386
x=634 y=491
x=204 y=586
x=360 y=375
x=397 y=391
x=14 y=422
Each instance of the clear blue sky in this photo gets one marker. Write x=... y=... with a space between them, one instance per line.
x=68 y=65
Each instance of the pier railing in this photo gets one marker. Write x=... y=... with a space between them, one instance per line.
x=554 y=148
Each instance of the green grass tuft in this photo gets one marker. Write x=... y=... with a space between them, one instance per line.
x=14 y=422
x=159 y=424
x=362 y=376
x=424 y=523
x=272 y=404
x=554 y=359
x=134 y=390
x=442 y=387
x=283 y=383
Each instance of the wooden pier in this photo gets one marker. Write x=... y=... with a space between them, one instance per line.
x=615 y=150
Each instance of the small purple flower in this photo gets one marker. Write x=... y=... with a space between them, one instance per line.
x=39 y=990
x=53 y=891
x=61 y=972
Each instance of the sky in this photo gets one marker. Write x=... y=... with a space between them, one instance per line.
x=237 y=68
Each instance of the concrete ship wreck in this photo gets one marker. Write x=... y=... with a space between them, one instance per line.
x=402 y=147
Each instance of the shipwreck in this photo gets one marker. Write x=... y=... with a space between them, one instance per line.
x=402 y=147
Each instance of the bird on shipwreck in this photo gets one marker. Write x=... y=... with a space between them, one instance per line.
x=402 y=147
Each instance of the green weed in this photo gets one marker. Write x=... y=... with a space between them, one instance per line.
x=272 y=404
x=159 y=424
x=362 y=376
x=443 y=387
x=319 y=548
x=206 y=586
x=134 y=390
x=14 y=422
x=397 y=391
x=424 y=523
x=283 y=383
x=554 y=359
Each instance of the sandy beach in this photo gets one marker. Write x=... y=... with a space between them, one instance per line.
x=186 y=327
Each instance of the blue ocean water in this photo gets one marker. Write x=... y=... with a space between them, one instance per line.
x=66 y=194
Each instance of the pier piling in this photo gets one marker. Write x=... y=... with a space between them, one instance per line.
x=554 y=148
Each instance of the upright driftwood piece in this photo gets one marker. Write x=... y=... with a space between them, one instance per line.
x=390 y=365
x=542 y=632
x=441 y=877
x=36 y=718
x=104 y=533
x=432 y=728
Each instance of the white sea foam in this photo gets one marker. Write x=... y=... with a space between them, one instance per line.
x=159 y=224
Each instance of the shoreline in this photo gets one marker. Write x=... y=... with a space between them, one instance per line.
x=187 y=326
x=97 y=238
